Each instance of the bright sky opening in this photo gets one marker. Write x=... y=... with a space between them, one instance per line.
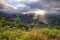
x=17 y=3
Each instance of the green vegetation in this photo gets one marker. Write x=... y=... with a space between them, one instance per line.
x=17 y=30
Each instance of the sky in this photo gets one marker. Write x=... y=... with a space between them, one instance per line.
x=30 y=5
x=38 y=7
x=18 y=3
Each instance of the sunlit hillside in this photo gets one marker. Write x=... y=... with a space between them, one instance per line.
x=16 y=30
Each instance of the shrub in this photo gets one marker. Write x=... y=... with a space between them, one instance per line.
x=12 y=35
x=35 y=35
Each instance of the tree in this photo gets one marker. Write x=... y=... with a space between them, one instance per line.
x=17 y=21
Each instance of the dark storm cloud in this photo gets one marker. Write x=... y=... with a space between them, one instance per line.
x=46 y=4
x=1 y=6
x=51 y=6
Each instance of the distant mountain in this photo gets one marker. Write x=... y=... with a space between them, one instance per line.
x=50 y=18
x=53 y=18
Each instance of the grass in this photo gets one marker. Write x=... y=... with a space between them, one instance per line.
x=33 y=34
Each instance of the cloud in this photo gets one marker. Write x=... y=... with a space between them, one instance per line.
x=26 y=5
x=36 y=12
x=17 y=3
x=25 y=0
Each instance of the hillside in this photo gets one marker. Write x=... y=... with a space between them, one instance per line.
x=16 y=30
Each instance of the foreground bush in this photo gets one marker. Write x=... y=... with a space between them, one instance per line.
x=34 y=34
x=12 y=35
x=22 y=35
